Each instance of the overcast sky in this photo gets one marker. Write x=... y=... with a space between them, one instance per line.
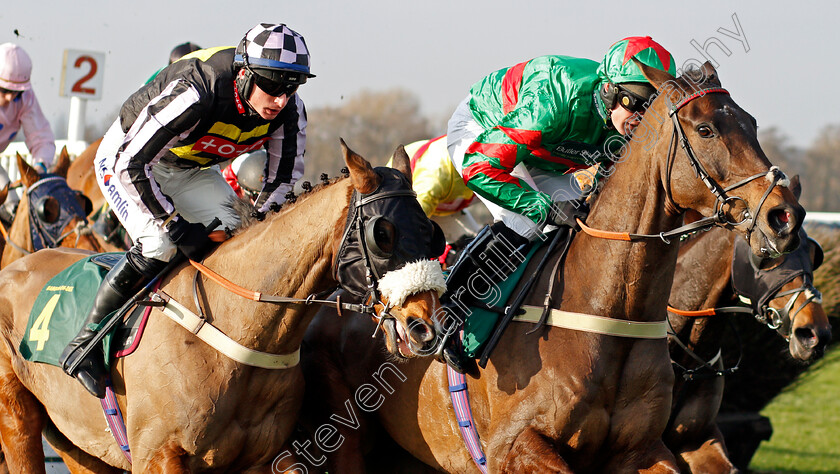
x=772 y=55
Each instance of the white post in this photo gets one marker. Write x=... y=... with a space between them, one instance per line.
x=76 y=126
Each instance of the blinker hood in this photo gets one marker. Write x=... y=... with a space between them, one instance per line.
x=385 y=230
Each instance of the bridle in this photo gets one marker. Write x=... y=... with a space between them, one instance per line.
x=49 y=235
x=757 y=288
x=719 y=218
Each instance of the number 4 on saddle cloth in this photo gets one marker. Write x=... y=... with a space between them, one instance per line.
x=61 y=308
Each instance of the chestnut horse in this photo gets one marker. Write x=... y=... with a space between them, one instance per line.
x=703 y=283
x=567 y=400
x=64 y=205
x=82 y=176
x=188 y=408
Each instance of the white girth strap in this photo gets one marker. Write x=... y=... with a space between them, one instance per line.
x=220 y=341
x=596 y=324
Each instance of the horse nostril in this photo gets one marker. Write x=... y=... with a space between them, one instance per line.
x=419 y=330
x=806 y=337
x=782 y=221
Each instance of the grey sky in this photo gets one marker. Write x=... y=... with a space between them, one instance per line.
x=437 y=48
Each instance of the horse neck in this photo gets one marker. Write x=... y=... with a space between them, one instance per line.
x=290 y=254
x=702 y=282
x=633 y=281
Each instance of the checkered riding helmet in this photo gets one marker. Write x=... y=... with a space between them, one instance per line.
x=275 y=52
x=15 y=68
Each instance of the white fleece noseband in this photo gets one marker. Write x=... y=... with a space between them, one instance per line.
x=413 y=278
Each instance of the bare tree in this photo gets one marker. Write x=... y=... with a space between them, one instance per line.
x=372 y=124
x=822 y=168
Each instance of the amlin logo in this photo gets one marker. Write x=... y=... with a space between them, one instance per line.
x=118 y=204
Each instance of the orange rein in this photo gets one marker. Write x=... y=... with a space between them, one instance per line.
x=693 y=314
x=626 y=237
x=604 y=234
x=227 y=284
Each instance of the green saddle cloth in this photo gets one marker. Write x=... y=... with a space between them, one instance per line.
x=480 y=323
x=61 y=309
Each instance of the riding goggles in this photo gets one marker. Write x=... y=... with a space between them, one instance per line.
x=276 y=83
x=631 y=101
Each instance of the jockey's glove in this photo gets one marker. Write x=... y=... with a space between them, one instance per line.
x=566 y=213
x=191 y=239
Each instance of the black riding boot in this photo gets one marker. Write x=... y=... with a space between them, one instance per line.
x=496 y=257
x=120 y=284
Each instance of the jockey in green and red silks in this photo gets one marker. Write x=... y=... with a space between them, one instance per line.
x=522 y=132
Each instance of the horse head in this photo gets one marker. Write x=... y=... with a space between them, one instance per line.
x=386 y=254
x=782 y=293
x=49 y=212
x=715 y=164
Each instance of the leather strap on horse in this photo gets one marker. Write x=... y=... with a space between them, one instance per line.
x=595 y=324
x=219 y=340
x=700 y=313
x=257 y=296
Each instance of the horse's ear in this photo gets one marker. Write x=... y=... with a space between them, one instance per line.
x=4 y=193
x=28 y=174
x=364 y=179
x=655 y=76
x=710 y=75
x=795 y=186
x=401 y=162
x=62 y=163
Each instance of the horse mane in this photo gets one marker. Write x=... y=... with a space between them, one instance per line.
x=243 y=208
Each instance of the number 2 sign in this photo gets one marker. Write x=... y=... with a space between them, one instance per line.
x=82 y=74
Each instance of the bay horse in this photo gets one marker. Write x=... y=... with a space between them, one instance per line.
x=188 y=408
x=702 y=285
x=566 y=400
x=60 y=215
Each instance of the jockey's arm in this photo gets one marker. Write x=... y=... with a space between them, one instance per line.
x=38 y=135
x=151 y=136
x=285 y=157
x=490 y=160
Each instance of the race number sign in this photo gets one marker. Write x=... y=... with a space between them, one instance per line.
x=82 y=74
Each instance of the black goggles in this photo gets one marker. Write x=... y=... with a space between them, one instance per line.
x=632 y=102
x=15 y=94
x=283 y=83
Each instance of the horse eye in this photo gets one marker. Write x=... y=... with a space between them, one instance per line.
x=705 y=131
x=49 y=210
x=383 y=234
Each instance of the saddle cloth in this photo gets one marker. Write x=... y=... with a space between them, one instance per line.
x=480 y=321
x=62 y=307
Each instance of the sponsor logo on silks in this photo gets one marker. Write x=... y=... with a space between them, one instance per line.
x=225 y=148
x=118 y=204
